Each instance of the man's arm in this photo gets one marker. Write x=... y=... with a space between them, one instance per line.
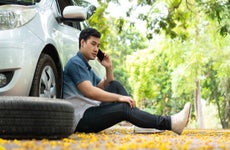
x=96 y=93
x=109 y=77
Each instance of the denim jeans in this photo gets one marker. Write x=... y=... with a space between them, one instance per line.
x=96 y=119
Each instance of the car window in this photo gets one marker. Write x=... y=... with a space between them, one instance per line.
x=84 y=25
x=63 y=3
x=77 y=25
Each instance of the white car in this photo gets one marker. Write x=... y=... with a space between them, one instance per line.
x=37 y=37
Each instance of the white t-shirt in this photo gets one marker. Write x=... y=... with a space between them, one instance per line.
x=80 y=104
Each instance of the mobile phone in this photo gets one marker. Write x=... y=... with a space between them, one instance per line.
x=100 y=55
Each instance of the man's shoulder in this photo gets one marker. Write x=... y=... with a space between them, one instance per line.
x=76 y=60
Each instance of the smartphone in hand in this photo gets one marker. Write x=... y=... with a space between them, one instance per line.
x=100 y=55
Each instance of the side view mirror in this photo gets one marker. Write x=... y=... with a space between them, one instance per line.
x=90 y=10
x=75 y=13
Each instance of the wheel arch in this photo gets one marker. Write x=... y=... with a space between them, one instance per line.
x=52 y=51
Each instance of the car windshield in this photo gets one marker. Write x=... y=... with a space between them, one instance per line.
x=20 y=2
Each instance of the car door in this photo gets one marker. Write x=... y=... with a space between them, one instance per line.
x=66 y=34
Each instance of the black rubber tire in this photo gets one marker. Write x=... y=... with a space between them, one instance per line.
x=33 y=117
x=36 y=88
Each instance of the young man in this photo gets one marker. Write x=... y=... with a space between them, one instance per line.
x=102 y=103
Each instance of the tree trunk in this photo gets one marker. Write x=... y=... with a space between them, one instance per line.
x=227 y=106
x=219 y=112
x=227 y=113
x=198 y=105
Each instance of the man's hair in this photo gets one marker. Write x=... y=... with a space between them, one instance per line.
x=86 y=33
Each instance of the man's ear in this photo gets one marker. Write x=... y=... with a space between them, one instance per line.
x=82 y=42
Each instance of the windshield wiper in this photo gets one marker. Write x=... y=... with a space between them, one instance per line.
x=20 y=2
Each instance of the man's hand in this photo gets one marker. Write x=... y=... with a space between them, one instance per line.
x=106 y=62
x=128 y=100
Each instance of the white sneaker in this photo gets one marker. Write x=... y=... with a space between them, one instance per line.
x=180 y=120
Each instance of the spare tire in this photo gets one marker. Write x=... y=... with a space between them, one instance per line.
x=35 y=117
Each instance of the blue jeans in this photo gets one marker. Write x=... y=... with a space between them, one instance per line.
x=96 y=119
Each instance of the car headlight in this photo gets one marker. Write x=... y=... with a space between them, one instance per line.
x=5 y=78
x=13 y=16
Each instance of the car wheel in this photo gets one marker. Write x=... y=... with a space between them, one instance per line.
x=33 y=117
x=45 y=82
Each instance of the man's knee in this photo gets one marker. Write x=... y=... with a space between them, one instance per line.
x=125 y=107
x=115 y=83
x=116 y=87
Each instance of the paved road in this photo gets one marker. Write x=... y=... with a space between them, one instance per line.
x=122 y=138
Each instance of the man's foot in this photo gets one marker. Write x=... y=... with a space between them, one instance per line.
x=180 y=120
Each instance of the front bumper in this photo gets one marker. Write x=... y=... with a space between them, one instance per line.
x=19 y=52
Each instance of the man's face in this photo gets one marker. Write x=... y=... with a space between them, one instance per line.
x=90 y=47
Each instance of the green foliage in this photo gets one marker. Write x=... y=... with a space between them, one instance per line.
x=99 y=22
x=168 y=17
x=128 y=41
x=212 y=91
x=219 y=11
x=151 y=81
x=172 y=17
x=184 y=47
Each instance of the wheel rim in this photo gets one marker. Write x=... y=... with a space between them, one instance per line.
x=47 y=85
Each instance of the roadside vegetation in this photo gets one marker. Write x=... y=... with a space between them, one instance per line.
x=180 y=54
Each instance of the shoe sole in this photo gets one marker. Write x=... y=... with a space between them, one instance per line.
x=138 y=130
x=189 y=115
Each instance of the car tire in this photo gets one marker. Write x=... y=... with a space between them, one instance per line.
x=33 y=117
x=45 y=82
